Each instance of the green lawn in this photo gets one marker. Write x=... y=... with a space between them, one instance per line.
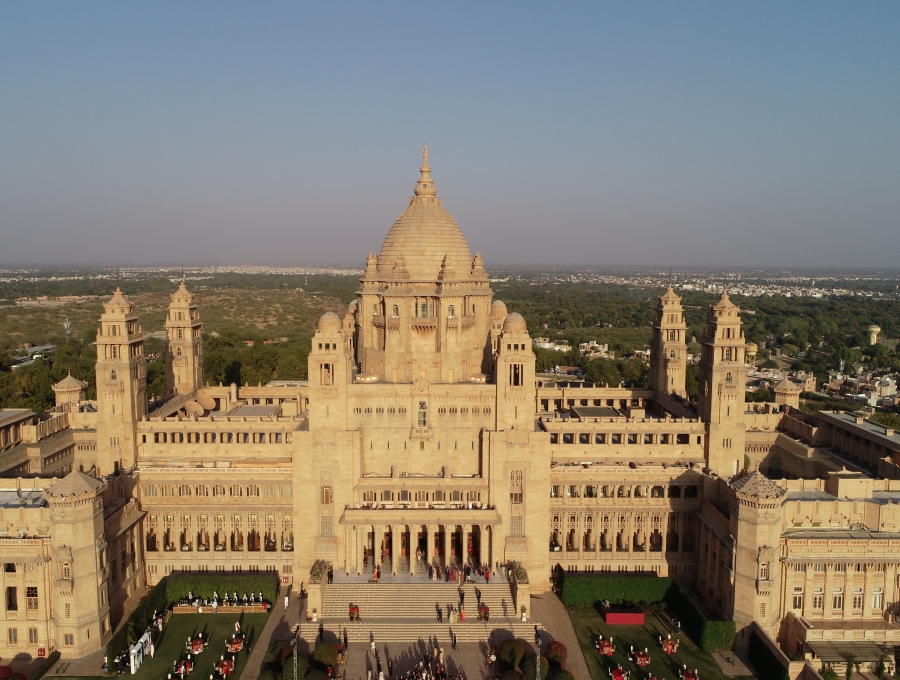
x=589 y=624
x=217 y=628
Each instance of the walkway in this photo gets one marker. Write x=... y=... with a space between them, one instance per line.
x=278 y=627
x=551 y=612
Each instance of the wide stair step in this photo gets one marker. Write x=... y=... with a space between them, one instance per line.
x=397 y=631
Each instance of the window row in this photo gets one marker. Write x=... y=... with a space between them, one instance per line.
x=12 y=598
x=853 y=567
x=647 y=438
x=623 y=491
x=837 y=598
x=463 y=410
x=12 y=636
x=421 y=498
x=380 y=410
x=220 y=438
x=216 y=490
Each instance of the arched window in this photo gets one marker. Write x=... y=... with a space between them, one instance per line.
x=728 y=354
x=112 y=375
x=671 y=335
x=672 y=354
x=178 y=351
x=180 y=333
x=113 y=352
x=395 y=311
x=451 y=311
x=728 y=378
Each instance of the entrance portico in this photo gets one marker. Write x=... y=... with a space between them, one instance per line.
x=402 y=542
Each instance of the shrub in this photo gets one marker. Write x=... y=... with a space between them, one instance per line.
x=317 y=674
x=17 y=676
x=512 y=674
x=557 y=653
x=828 y=673
x=529 y=666
x=275 y=651
x=287 y=670
x=326 y=654
x=563 y=675
x=5 y=672
x=47 y=664
x=511 y=652
x=269 y=675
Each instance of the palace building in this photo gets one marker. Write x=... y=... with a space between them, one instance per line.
x=423 y=430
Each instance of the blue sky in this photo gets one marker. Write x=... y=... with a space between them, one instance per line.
x=672 y=134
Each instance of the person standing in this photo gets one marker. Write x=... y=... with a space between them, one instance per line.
x=321 y=632
x=462 y=596
x=287 y=598
x=390 y=668
x=440 y=614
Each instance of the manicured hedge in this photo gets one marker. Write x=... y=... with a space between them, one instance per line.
x=131 y=631
x=765 y=662
x=617 y=589
x=204 y=585
x=588 y=590
x=47 y=664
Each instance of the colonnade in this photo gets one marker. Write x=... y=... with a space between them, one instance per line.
x=389 y=545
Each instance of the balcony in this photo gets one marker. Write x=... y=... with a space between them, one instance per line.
x=424 y=323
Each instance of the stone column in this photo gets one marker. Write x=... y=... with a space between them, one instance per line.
x=429 y=546
x=361 y=531
x=446 y=545
x=377 y=537
x=579 y=532
x=395 y=547
x=410 y=548
x=467 y=529
x=348 y=553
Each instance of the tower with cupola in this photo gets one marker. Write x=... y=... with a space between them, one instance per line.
x=121 y=384
x=668 y=346
x=722 y=380
x=184 y=345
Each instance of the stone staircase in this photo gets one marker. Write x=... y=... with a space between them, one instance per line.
x=398 y=612
x=413 y=600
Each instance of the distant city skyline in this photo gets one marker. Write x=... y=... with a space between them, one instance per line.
x=690 y=135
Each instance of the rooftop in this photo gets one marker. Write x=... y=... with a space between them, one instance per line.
x=21 y=499
x=256 y=410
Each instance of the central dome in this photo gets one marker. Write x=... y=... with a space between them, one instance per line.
x=423 y=236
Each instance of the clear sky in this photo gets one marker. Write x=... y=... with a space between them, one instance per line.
x=722 y=134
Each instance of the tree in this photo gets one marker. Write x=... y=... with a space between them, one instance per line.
x=511 y=652
x=529 y=667
x=691 y=380
x=557 y=653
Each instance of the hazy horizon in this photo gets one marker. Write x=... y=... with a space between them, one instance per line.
x=692 y=135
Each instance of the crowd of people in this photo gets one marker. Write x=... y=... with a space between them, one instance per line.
x=432 y=666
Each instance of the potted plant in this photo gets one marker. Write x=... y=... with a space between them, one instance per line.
x=315 y=614
x=524 y=610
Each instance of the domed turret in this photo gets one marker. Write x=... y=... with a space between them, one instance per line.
x=329 y=323
x=498 y=309
x=515 y=323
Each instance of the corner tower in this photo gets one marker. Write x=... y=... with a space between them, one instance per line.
x=424 y=309
x=80 y=618
x=121 y=384
x=184 y=346
x=668 y=347
x=722 y=381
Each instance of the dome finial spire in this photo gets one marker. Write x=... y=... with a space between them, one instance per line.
x=425 y=185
